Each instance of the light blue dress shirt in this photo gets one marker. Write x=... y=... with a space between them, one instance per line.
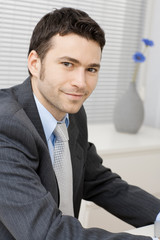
x=49 y=123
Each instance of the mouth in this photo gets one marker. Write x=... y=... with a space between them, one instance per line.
x=74 y=96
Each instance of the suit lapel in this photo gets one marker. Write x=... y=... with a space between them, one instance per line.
x=77 y=157
x=25 y=98
x=73 y=134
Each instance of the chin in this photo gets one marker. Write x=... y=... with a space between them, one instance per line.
x=74 y=110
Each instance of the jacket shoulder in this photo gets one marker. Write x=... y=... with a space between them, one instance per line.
x=8 y=104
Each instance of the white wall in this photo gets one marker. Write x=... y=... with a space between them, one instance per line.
x=152 y=75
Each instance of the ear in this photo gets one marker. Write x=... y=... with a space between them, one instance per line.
x=34 y=63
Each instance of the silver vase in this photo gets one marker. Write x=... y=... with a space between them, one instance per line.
x=129 y=111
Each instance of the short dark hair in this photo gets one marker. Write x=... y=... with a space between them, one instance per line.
x=64 y=21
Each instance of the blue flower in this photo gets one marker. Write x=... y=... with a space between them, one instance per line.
x=148 y=42
x=139 y=57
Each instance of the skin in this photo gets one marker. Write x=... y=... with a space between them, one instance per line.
x=67 y=75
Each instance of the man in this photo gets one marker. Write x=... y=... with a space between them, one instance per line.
x=63 y=62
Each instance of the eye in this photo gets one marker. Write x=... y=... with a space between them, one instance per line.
x=92 y=70
x=67 y=64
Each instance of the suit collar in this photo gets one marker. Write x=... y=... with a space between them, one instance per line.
x=26 y=99
x=24 y=95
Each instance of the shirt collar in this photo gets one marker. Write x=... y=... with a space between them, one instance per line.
x=48 y=121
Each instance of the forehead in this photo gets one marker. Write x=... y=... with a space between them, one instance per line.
x=75 y=46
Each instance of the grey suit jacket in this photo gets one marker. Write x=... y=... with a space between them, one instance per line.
x=29 y=195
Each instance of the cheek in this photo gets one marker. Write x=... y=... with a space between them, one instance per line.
x=45 y=86
x=92 y=84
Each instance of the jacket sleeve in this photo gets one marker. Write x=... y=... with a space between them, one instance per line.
x=27 y=209
x=105 y=188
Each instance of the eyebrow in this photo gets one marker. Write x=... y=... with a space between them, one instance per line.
x=97 y=65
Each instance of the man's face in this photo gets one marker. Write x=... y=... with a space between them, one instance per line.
x=67 y=75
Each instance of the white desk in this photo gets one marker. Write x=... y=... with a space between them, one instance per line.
x=146 y=231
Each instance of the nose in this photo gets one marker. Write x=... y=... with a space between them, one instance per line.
x=79 y=79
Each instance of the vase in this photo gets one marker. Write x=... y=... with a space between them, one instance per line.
x=129 y=111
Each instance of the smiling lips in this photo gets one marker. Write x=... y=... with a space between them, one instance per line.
x=74 y=96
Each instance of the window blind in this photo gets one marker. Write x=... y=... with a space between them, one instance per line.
x=122 y=21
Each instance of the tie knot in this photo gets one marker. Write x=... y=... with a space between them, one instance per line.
x=61 y=132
